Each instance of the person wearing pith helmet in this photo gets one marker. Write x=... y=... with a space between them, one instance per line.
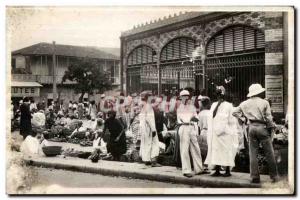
x=257 y=111
x=188 y=131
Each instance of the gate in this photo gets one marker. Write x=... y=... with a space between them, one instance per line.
x=240 y=71
x=235 y=59
x=177 y=76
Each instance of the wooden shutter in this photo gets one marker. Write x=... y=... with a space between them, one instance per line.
x=139 y=55
x=219 y=44
x=238 y=39
x=211 y=47
x=144 y=54
x=249 y=38
x=228 y=37
x=183 y=47
x=260 y=40
x=134 y=57
x=176 y=48
x=190 y=47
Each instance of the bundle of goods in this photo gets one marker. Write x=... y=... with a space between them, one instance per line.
x=51 y=150
x=57 y=139
x=86 y=143
x=70 y=152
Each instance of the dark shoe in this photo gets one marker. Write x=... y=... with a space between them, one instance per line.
x=155 y=165
x=188 y=175
x=147 y=163
x=226 y=174
x=216 y=174
x=255 y=180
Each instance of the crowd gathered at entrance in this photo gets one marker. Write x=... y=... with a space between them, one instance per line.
x=176 y=125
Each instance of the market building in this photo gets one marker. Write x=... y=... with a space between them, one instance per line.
x=32 y=70
x=200 y=49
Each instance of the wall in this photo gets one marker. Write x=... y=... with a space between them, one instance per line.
x=274 y=59
x=270 y=23
x=200 y=32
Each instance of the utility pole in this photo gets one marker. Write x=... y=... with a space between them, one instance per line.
x=54 y=72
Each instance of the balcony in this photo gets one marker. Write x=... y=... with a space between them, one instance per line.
x=46 y=79
x=42 y=79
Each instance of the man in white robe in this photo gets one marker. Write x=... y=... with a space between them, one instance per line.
x=222 y=135
x=149 y=149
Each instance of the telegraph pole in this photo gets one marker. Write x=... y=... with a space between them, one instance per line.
x=54 y=91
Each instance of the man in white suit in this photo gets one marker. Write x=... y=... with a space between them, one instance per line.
x=188 y=131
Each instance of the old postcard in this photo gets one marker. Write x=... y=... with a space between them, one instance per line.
x=150 y=100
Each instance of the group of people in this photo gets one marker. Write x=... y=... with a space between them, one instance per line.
x=148 y=118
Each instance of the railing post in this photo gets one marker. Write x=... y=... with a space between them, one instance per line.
x=54 y=72
x=159 y=74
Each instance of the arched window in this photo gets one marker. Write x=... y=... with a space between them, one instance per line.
x=235 y=39
x=236 y=53
x=178 y=49
x=141 y=55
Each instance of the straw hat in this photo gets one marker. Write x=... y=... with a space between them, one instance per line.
x=184 y=93
x=255 y=89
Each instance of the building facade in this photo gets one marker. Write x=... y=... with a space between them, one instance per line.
x=32 y=70
x=238 y=48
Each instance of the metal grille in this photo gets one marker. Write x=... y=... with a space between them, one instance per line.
x=236 y=53
x=176 y=76
x=244 y=69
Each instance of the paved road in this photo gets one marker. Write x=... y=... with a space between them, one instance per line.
x=47 y=177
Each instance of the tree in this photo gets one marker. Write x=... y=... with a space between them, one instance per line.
x=89 y=76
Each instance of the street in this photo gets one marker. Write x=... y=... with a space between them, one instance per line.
x=47 y=177
x=49 y=181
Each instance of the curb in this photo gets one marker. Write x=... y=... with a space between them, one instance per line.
x=199 y=181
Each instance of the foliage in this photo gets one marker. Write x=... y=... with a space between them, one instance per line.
x=89 y=76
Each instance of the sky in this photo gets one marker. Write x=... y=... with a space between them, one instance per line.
x=84 y=26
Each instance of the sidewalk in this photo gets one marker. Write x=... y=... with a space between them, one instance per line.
x=140 y=171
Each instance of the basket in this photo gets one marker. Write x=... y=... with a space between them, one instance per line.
x=52 y=150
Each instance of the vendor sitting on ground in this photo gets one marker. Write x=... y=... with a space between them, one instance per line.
x=85 y=129
x=38 y=119
x=79 y=132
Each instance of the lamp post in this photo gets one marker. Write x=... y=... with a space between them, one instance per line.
x=199 y=52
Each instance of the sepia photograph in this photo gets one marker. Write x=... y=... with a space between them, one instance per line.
x=150 y=100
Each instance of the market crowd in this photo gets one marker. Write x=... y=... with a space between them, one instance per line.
x=152 y=125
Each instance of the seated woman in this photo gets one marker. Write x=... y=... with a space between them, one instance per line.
x=80 y=132
x=117 y=142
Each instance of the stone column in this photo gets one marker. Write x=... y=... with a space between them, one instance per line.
x=274 y=60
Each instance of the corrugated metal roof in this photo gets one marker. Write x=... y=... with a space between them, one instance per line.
x=163 y=22
x=66 y=50
x=25 y=84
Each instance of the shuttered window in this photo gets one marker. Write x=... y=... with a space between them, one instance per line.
x=141 y=55
x=236 y=39
x=238 y=42
x=211 y=47
x=178 y=49
x=249 y=38
x=219 y=44
x=260 y=40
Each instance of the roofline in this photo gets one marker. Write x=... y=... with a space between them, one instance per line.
x=187 y=22
x=110 y=59
x=13 y=53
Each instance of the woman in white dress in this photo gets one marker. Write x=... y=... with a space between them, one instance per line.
x=222 y=137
